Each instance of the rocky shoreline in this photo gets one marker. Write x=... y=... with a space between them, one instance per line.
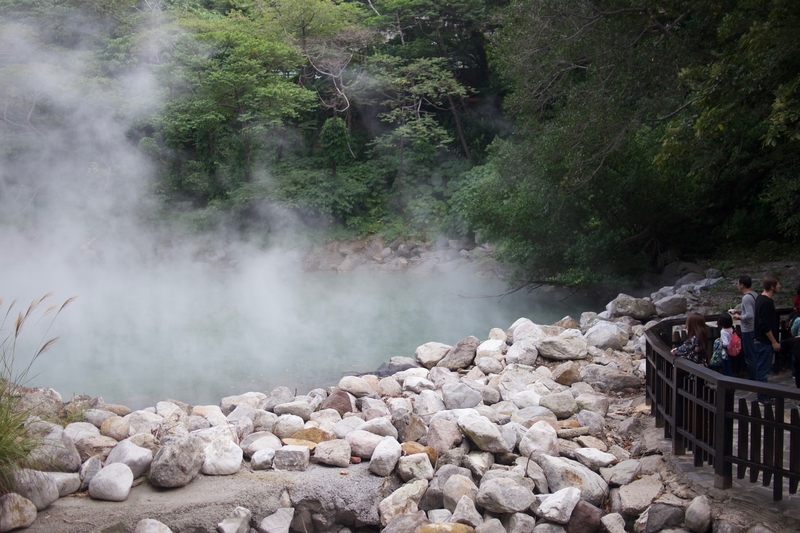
x=442 y=255
x=535 y=428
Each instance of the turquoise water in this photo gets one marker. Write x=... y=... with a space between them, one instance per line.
x=135 y=336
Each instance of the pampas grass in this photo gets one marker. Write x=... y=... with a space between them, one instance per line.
x=15 y=442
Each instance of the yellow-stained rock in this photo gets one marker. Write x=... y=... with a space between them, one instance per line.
x=313 y=434
x=411 y=447
x=291 y=441
x=115 y=427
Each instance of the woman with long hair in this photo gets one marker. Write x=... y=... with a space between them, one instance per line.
x=696 y=346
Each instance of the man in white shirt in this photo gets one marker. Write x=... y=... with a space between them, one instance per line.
x=747 y=316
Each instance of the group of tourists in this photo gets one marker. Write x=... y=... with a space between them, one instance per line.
x=765 y=342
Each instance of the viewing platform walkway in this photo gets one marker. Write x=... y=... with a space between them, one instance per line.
x=720 y=437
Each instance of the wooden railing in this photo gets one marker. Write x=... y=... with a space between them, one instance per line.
x=701 y=413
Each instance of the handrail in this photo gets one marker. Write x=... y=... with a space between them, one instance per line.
x=699 y=411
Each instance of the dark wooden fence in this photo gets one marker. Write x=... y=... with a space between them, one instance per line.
x=702 y=413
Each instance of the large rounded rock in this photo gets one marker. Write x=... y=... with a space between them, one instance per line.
x=676 y=304
x=561 y=403
x=229 y=403
x=143 y=422
x=698 y=514
x=287 y=425
x=57 y=452
x=542 y=438
x=16 y=512
x=504 y=495
x=609 y=379
x=385 y=456
x=522 y=352
x=38 y=487
x=462 y=355
x=41 y=401
x=558 y=506
x=67 y=482
x=298 y=408
x=96 y=417
x=137 y=458
x=638 y=495
x=380 y=426
x=567 y=373
x=259 y=441
x=356 y=386
x=279 y=395
x=415 y=466
x=483 y=433
x=605 y=335
x=443 y=435
x=460 y=396
x=493 y=348
x=428 y=404
x=523 y=329
x=115 y=427
x=430 y=353
x=456 y=486
x=112 y=483
x=177 y=462
x=340 y=401
x=335 y=452
x=562 y=472
x=223 y=457
x=402 y=501
x=363 y=443
x=624 y=305
x=434 y=498
x=569 y=344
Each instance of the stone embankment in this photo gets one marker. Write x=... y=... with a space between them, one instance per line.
x=444 y=256
x=536 y=428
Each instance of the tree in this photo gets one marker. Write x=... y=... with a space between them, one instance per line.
x=234 y=84
x=412 y=92
x=739 y=131
x=574 y=194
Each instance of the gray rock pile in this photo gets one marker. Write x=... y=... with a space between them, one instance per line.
x=537 y=428
x=443 y=256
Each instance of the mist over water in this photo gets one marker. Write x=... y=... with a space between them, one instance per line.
x=78 y=217
x=186 y=331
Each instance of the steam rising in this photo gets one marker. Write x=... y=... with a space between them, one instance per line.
x=160 y=314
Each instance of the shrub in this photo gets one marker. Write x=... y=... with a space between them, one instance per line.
x=15 y=442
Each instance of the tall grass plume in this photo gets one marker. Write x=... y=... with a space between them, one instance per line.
x=15 y=442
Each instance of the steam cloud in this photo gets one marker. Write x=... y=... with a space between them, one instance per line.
x=160 y=314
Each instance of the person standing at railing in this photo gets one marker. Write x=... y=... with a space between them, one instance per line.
x=792 y=345
x=747 y=316
x=766 y=332
x=696 y=345
x=725 y=324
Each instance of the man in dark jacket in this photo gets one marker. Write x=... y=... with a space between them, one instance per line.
x=766 y=331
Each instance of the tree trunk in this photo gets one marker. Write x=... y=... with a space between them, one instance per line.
x=459 y=129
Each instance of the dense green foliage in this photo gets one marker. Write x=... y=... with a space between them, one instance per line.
x=589 y=139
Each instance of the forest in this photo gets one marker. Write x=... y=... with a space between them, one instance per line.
x=589 y=140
